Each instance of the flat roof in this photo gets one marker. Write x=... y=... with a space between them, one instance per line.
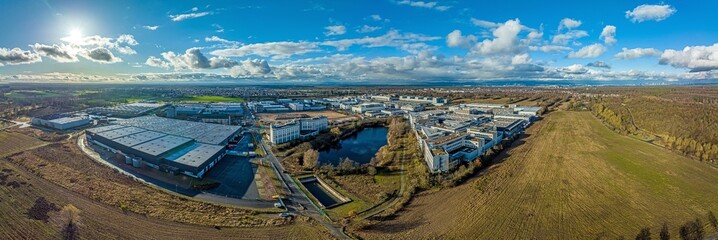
x=202 y=132
x=120 y=132
x=139 y=138
x=64 y=120
x=195 y=155
x=161 y=145
x=104 y=128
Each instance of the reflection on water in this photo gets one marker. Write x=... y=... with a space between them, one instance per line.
x=361 y=147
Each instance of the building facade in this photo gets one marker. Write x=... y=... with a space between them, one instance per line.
x=297 y=129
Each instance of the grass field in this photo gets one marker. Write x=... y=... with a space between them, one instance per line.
x=213 y=99
x=570 y=178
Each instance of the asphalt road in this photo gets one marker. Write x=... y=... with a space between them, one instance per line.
x=298 y=197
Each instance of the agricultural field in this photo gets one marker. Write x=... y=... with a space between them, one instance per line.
x=11 y=142
x=30 y=209
x=570 y=177
x=213 y=99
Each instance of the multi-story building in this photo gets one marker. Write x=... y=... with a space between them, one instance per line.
x=366 y=107
x=297 y=129
x=437 y=101
x=462 y=133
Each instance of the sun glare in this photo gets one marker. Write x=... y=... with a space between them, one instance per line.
x=75 y=35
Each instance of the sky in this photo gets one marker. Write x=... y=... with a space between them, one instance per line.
x=378 y=41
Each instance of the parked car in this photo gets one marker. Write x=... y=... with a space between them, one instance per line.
x=285 y=214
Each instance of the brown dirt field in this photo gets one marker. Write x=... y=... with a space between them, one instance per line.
x=332 y=115
x=11 y=142
x=100 y=221
x=571 y=178
x=65 y=165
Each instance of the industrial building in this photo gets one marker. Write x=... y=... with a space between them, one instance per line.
x=437 y=101
x=221 y=113
x=176 y=146
x=297 y=129
x=61 y=121
x=368 y=107
x=126 y=110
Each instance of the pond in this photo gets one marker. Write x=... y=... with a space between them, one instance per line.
x=321 y=194
x=360 y=147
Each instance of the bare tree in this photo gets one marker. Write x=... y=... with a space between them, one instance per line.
x=71 y=215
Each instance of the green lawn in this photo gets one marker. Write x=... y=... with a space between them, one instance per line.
x=213 y=99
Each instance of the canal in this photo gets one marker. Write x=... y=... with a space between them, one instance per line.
x=360 y=147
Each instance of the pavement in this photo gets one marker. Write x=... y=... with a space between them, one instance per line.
x=298 y=197
x=133 y=173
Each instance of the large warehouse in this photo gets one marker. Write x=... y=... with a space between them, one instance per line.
x=61 y=121
x=178 y=146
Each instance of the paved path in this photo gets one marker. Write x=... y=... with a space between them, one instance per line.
x=298 y=197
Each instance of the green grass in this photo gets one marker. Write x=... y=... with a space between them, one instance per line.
x=344 y=210
x=24 y=94
x=213 y=99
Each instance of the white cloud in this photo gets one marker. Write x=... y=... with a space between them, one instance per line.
x=194 y=9
x=100 y=55
x=182 y=17
x=598 y=64
x=377 y=17
x=151 y=28
x=523 y=58
x=637 y=53
x=422 y=4
x=575 y=69
x=367 y=29
x=568 y=23
x=608 y=35
x=650 y=12
x=60 y=53
x=550 y=48
x=505 y=40
x=17 y=56
x=128 y=39
x=455 y=39
x=220 y=40
x=218 y=28
x=404 y=41
x=193 y=59
x=484 y=23
x=335 y=30
x=695 y=58
x=156 y=62
x=590 y=51
x=564 y=38
x=250 y=68
x=273 y=49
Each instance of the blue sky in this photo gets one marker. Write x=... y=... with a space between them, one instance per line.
x=356 y=41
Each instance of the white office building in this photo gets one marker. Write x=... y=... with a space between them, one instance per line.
x=367 y=107
x=297 y=129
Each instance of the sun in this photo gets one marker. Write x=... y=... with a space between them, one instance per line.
x=75 y=35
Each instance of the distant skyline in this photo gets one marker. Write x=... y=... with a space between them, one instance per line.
x=354 y=42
